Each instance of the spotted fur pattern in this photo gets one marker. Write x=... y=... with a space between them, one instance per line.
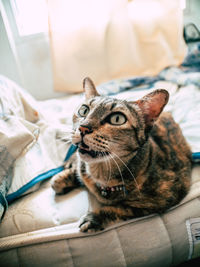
x=131 y=157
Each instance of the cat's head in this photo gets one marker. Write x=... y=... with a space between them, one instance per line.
x=106 y=127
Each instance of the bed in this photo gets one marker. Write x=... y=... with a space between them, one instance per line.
x=40 y=228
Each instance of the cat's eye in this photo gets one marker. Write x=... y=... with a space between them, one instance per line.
x=117 y=119
x=83 y=111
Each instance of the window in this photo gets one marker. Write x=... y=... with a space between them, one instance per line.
x=31 y=16
x=183 y=4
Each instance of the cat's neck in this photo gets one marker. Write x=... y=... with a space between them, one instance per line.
x=115 y=170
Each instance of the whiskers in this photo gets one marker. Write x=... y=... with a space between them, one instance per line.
x=120 y=173
x=65 y=136
x=135 y=181
x=107 y=157
x=66 y=141
x=108 y=165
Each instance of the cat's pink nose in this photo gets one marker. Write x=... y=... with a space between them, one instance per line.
x=85 y=129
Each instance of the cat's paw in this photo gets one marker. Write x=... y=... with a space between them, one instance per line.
x=92 y=222
x=63 y=181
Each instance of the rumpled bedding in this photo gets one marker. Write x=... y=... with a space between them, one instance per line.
x=34 y=135
x=29 y=142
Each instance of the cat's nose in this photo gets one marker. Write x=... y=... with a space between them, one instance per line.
x=85 y=129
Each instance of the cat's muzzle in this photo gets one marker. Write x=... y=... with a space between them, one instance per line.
x=85 y=149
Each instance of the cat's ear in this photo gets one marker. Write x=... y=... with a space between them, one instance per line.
x=152 y=105
x=89 y=88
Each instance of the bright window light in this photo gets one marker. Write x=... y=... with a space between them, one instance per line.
x=183 y=4
x=31 y=16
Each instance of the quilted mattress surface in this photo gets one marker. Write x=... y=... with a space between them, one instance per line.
x=41 y=229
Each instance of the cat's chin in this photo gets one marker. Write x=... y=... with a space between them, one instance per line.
x=92 y=156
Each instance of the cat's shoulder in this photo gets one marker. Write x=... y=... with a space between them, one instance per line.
x=165 y=126
x=166 y=120
x=165 y=117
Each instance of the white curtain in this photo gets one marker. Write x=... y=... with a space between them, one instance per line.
x=109 y=39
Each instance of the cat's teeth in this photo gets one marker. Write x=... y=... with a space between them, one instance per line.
x=112 y=189
x=117 y=188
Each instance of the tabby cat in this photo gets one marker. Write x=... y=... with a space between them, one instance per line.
x=132 y=160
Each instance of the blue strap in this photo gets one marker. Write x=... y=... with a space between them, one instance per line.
x=4 y=203
x=41 y=177
x=72 y=149
x=196 y=157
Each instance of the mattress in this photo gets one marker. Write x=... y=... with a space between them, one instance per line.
x=41 y=228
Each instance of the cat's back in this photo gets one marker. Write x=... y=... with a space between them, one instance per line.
x=168 y=137
x=169 y=171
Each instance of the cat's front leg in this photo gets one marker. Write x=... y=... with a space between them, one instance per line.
x=105 y=216
x=67 y=179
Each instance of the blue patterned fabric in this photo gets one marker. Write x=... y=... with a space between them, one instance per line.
x=193 y=57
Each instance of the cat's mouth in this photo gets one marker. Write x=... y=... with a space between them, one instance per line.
x=85 y=149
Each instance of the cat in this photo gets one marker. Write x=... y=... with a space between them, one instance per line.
x=131 y=157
